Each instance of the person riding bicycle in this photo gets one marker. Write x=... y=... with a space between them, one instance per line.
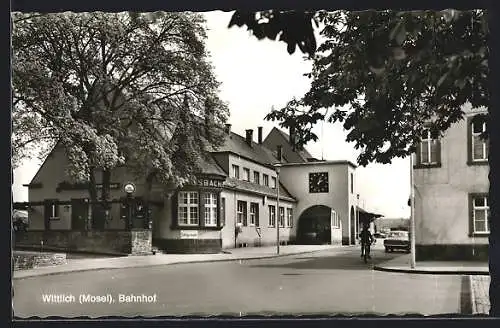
x=366 y=240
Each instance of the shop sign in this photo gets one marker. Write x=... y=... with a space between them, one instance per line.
x=210 y=183
x=189 y=234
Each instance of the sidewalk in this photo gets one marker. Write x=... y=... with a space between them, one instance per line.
x=76 y=265
x=477 y=272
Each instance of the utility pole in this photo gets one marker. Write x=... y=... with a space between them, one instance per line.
x=412 y=215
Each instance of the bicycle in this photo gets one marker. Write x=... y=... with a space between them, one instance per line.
x=366 y=251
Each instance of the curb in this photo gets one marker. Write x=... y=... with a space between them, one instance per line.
x=421 y=271
x=161 y=264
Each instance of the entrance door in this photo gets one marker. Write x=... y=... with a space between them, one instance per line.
x=79 y=214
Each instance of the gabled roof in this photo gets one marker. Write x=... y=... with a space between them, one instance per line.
x=302 y=153
x=258 y=189
x=210 y=167
x=237 y=144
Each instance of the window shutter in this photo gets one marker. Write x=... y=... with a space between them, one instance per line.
x=47 y=213
x=174 y=202
x=469 y=140
x=438 y=151
x=471 y=215
x=256 y=215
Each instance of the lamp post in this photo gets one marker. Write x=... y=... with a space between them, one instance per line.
x=277 y=216
x=412 y=215
x=129 y=189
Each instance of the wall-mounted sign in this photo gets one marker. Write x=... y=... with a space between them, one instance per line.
x=210 y=183
x=129 y=188
x=189 y=234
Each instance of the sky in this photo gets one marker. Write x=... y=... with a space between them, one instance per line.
x=257 y=75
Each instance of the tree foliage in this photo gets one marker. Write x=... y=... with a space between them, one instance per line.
x=120 y=89
x=384 y=74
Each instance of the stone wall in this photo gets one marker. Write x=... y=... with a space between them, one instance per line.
x=30 y=260
x=455 y=252
x=104 y=242
x=189 y=246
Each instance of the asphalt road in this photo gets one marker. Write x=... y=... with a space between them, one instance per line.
x=322 y=283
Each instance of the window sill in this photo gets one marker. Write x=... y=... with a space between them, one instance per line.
x=427 y=166
x=475 y=163
x=479 y=234
x=190 y=227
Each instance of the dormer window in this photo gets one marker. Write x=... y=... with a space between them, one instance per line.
x=236 y=172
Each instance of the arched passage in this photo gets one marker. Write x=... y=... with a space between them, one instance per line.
x=353 y=226
x=315 y=225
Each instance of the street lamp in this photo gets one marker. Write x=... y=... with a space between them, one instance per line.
x=129 y=189
x=277 y=215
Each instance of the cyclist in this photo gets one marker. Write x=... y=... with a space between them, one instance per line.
x=366 y=240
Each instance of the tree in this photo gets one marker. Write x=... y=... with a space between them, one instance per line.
x=383 y=74
x=115 y=90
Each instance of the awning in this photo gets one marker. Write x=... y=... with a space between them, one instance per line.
x=367 y=217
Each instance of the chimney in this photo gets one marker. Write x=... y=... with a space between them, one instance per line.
x=280 y=153
x=260 y=135
x=249 y=137
x=292 y=138
x=228 y=128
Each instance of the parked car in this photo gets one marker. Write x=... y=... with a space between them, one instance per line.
x=380 y=235
x=397 y=240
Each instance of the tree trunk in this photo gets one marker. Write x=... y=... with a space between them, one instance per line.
x=93 y=197
x=494 y=163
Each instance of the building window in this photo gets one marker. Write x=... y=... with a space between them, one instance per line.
x=282 y=217
x=479 y=144
x=188 y=208
x=272 y=215
x=480 y=211
x=241 y=213
x=265 y=179
x=254 y=214
x=352 y=183
x=289 y=217
x=246 y=174
x=429 y=149
x=210 y=206
x=54 y=211
x=318 y=182
x=256 y=177
x=236 y=171
x=273 y=182
x=222 y=211
x=335 y=220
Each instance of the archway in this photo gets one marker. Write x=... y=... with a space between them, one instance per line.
x=315 y=226
x=353 y=226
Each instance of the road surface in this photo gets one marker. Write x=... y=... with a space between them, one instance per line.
x=322 y=283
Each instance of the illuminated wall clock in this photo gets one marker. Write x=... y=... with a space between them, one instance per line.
x=318 y=182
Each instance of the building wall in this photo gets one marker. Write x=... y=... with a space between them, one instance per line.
x=296 y=179
x=442 y=193
x=249 y=234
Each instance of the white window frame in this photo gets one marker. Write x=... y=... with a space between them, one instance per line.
x=265 y=180
x=256 y=177
x=240 y=214
x=272 y=216
x=486 y=209
x=429 y=139
x=253 y=215
x=210 y=209
x=191 y=221
x=282 y=217
x=289 y=217
x=246 y=174
x=473 y=136
x=236 y=171
x=274 y=182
